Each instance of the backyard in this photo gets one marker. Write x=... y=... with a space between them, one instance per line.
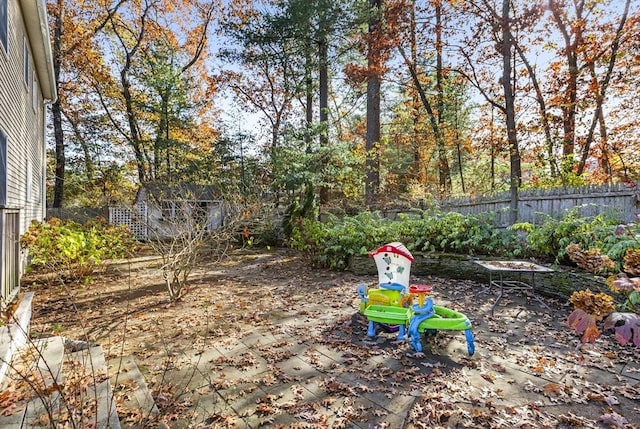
x=262 y=339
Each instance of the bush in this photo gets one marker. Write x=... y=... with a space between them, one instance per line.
x=550 y=239
x=472 y=235
x=331 y=244
x=74 y=248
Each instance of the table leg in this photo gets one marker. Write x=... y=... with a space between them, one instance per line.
x=535 y=295
x=500 y=284
x=486 y=289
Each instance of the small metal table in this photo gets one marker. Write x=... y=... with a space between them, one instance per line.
x=500 y=268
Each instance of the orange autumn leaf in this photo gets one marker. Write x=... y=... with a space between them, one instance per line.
x=552 y=389
x=585 y=324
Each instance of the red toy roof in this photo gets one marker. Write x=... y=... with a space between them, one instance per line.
x=396 y=247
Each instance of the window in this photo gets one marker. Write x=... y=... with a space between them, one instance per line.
x=168 y=209
x=26 y=63
x=4 y=23
x=34 y=93
x=29 y=181
x=3 y=168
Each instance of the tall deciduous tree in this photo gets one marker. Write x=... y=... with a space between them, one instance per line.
x=73 y=26
x=498 y=24
x=134 y=32
x=105 y=100
x=600 y=86
x=267 y=81
x=592 y=34
x=509 y=108
x=375 y=64
x=435 y=110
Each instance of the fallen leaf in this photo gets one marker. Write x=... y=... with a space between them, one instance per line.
x=552 y=389
x=611 y=400
x=613 y=419
x=584 y=324
x=626 y=327
x=488 y=377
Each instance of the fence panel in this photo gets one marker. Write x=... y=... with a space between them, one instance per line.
x=77 y=214
x=136 y=219
x=535 y=205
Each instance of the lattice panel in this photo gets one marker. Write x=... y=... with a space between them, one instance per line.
x=136 y=219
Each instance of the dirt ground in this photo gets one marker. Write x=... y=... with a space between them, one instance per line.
x=529 y=370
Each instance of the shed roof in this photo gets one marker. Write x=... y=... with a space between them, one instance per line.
x=182 y=191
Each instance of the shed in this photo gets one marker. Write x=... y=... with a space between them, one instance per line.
x=161 y=210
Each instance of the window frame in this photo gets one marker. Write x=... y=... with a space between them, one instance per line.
x=4 y=26
x=4 y=154
x=26 y=66
x=34 y=93
x=29 y=190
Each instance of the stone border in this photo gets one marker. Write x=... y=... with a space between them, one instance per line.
x=559 y=284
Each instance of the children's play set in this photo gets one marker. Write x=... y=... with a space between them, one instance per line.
x=392 y=304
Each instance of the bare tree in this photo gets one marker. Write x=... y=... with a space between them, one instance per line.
x=189 y=231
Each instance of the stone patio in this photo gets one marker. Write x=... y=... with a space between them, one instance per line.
x=316 y=368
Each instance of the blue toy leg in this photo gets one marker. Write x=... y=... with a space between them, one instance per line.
x=362 y=291
x=416 y=344
x=471 y=347
x=402 y=335
x=371 y=332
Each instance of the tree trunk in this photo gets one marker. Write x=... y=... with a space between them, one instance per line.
x=443 y=164
x=493 y=152
x=419 y=172
x=88 y=161
x=459 y=150
x=372 y=184
x=372 y=146
x=58 y=189
x=544 y=116
x=324 y=102
x=571 y=91
x=510 y=116
x=56 y=111
x=598 y=115
x=433 y=119
x=308 y=87
x=135 y=140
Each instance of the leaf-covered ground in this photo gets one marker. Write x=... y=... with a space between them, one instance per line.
x=265 y=340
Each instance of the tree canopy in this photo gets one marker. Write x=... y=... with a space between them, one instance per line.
x=361 y=102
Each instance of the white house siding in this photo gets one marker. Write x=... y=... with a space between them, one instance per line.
x=23 y=125
x=22 y=120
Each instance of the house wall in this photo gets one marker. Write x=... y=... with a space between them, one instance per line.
x=23 y=122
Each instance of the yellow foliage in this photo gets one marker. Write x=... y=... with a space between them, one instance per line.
x=632 y=262
x=598 y=305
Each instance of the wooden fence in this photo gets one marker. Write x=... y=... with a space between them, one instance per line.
x=78 y=214
x=535 y=205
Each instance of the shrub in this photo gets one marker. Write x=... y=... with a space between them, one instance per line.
x=331 y=244
x=74 y=248
x=551 y=238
